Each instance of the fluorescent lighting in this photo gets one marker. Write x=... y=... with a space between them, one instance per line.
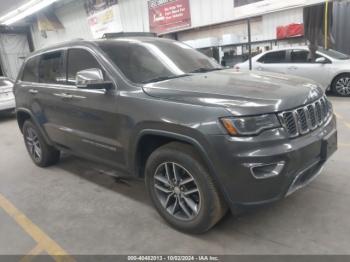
x=25 y=10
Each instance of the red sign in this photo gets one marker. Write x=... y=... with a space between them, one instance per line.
x=169 y=15
x=292 y=30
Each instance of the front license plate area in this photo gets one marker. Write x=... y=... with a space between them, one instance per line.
x=329 y=146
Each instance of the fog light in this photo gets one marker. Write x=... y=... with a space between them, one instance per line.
x=263 y=171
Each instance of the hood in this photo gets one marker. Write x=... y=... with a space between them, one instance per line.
x=241 y=93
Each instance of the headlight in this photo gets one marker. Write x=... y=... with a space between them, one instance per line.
x=250 y=126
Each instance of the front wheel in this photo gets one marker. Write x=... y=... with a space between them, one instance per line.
x=341 y=85
x=182 y=190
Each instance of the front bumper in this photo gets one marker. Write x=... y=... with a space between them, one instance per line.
x=6 y=105
x=303 y=157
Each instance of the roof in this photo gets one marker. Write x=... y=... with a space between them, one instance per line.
x=94 y=43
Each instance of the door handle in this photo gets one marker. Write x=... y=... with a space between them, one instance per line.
x=292 y=68
x=64 y=96
x=33 y=91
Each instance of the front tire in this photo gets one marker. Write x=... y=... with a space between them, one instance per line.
x=341 y=85
x=182 y=190
x=41 y=153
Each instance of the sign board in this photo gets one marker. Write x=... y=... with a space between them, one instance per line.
x=105 y=21
x=169 y=15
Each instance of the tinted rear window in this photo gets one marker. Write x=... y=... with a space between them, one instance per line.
x=51 y=69
x=30 y=72
x=274 y=57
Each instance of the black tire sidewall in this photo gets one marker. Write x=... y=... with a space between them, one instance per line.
x=46 y=150
x=202 y=222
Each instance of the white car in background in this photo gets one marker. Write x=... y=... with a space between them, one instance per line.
x=7 y=99
x=331 y=69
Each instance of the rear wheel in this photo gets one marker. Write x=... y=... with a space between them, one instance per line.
x=42 y=154
x=182 y=190
x=341 y=85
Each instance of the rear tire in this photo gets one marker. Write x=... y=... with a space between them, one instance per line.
x=41 y=153
x=194 y=212
x=341 y=85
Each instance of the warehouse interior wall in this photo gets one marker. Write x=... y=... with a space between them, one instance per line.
x=73 y=17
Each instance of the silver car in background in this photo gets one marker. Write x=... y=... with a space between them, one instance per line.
x=331 y=69
x=7 y=99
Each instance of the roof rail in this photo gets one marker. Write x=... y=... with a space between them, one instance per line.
x=127 y=34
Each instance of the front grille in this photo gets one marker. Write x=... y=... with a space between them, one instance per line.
x=305 y=119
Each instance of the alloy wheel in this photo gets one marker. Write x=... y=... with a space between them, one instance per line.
x=343 y=86
x=177 y=191
x=33 y=144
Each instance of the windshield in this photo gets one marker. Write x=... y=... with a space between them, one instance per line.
x=334 y=54
x=156 y=60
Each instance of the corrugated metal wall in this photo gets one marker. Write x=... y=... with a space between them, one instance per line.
x=273 y=20
x=263 y=27
x=206 y=12
x=74 y=19
x=134 y=15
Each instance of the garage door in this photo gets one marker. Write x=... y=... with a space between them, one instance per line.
x=13 y=49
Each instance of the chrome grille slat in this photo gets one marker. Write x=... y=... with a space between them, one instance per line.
x=307 y=118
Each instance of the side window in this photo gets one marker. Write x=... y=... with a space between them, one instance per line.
x=273 y=57
x=300 y=56
x=51 y=68
x=30 y=71
x=78 y=60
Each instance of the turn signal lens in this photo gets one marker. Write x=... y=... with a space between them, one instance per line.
x=229 y=126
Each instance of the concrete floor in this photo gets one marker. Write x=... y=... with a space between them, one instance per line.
x=87 y=212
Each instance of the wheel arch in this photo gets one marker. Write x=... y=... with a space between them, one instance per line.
x=153 y=139
x=338 y=75
x=166 y=137
x=22 y=115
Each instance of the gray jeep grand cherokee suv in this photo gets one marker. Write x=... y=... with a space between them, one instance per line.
x=204 y=138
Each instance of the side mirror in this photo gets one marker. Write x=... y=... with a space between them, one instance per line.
x=322 y=60
x=92 y=79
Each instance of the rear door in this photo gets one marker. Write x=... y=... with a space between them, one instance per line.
x=47 y=107
x=274 y=61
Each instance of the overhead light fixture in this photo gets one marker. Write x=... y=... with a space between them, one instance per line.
x=25 y=10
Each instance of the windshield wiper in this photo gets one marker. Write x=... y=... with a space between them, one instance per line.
x=163 y=78
x=205 y=70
